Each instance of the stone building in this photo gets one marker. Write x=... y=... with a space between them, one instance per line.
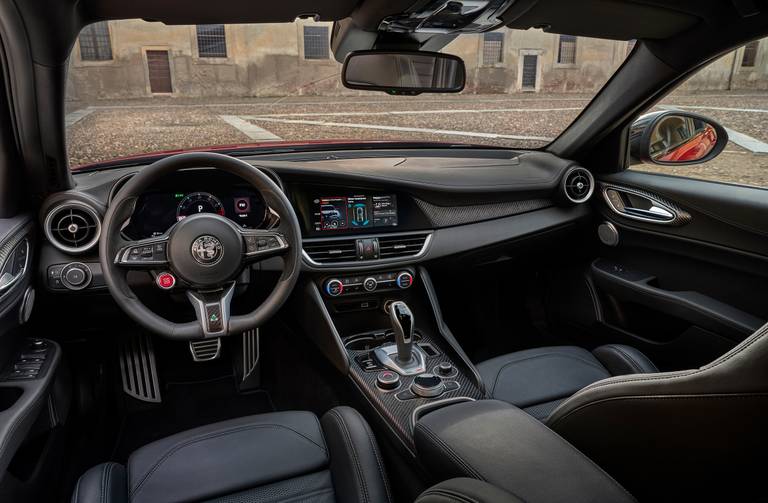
x=138 y=59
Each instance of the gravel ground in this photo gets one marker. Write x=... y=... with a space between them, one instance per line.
x=117 y=128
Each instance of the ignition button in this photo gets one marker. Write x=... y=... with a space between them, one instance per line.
x=165 y=280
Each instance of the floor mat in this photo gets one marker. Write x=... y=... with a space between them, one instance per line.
x=187 y=405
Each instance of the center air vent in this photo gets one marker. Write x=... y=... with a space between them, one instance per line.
x=335 y=251
x=331 y=251
x=578 y=184
x=401 y=246
x=73 y=227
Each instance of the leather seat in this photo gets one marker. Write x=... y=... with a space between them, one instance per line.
x=539 y=380
x=282 y=456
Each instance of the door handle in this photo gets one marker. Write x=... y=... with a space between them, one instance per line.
x=640 y=205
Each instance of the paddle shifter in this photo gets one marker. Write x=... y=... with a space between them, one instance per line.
x=404 y=357
x=402 y=324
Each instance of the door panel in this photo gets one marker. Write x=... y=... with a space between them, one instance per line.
x=688 y=285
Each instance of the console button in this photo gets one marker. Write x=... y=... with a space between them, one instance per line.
x=388 y=380
x=445 y=369
x=334 y=287
x=370 y=284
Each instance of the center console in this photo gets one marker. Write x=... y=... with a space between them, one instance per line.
x=383 y=329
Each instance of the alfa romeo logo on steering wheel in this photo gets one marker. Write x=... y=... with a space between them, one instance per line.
x=207 y=250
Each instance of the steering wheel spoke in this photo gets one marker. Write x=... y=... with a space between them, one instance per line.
x=261 y=243
x=212 y=309
x=150 y=253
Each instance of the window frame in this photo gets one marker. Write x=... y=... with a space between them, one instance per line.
x=559 y=51
x=500 y=61
x=308 y=27
x=750 y=49
x=199 y=55
x=86 y=62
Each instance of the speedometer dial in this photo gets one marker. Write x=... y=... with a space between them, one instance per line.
x=198 y=202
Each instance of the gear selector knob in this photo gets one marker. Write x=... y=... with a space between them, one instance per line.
x=402 y=323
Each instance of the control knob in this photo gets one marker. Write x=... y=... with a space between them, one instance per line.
x=427 y=386
x=404 y=280
x=334 y=287
x=75 y=276
x=388 y=380
x=370 y=284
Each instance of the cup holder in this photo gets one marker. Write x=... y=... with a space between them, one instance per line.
x=9 y=396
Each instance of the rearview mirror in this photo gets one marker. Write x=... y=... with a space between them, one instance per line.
x=675 y=137
x=409 y=73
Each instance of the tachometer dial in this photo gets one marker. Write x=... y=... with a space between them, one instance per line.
x=199 y=202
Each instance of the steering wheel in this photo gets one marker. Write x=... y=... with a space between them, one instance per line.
x=206 y=252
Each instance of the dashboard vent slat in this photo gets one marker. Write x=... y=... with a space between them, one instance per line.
x=332 y=251
x=401 y=246
x=73 y=227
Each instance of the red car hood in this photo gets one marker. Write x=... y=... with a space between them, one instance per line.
x=152 y=156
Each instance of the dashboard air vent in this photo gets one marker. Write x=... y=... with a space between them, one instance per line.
x=331 y=251
x=578 y=184
x=401 y=246
x=73 y=227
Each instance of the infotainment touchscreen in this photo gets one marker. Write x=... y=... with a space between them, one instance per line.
x=360 y=211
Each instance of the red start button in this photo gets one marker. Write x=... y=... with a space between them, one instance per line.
x=165 y=280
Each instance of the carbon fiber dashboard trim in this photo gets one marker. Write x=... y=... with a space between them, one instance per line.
x=447 y=216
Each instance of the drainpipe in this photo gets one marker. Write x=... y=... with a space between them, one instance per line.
x=733 y=70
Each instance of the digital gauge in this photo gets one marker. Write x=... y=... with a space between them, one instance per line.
x=198 y=202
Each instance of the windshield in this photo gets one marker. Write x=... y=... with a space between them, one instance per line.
x=136 y=87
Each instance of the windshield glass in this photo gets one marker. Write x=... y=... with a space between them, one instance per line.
x=136 y=87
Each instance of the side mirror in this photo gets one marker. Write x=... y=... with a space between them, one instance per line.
x=400 y=72
x=674 y=137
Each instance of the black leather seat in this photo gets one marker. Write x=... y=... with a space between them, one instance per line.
x=282 y=456
x=539 y=380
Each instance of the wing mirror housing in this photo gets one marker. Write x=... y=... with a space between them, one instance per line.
x=674 y=137
x=403 y=72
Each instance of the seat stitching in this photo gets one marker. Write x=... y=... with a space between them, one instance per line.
x=210 y=436
x=686 y=373
x=637 y=365
x=626 y=357
x=447 y=449
x=379 y=462
x=503 y=367
x=450 y=495
x=348 y=442
x=659 y=397
x=105 y=481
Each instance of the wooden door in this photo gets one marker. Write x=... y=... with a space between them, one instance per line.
x=159 y=70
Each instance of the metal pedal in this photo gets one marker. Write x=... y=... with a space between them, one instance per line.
x=139 y=369
x=205 y=350
x=250 y=352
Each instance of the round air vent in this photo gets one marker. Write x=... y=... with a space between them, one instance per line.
x=73 y=227
x=578 y=184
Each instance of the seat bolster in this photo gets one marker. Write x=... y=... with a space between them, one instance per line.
x=464 y=490
x=227 y=457
x=621 y=360
x=104 y=483
x=357 y=467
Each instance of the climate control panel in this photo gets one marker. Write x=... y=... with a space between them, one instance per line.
x=368 y=283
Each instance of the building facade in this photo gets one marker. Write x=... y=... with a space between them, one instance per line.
x=139 y=59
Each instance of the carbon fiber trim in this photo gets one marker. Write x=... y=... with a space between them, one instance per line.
x=398 y=412
x=681 y=217
x=447 y=216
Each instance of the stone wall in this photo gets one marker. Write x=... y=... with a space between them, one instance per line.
x=267 y=60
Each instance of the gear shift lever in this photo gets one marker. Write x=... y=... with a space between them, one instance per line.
x=402 y=323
